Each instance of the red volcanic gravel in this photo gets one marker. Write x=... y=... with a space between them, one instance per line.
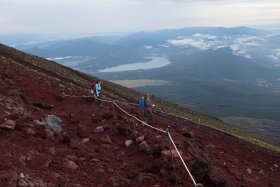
x=83 y=155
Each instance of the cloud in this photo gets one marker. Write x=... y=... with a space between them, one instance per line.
x=242 y=45
x=245 y=44
x=113 y=16
x=198 y=40
x=205 y=36
x=275 y=55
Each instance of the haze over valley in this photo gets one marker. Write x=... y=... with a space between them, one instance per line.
x=230 y=73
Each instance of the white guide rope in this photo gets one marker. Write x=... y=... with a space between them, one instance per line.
x=144 y=123
x=196 y=184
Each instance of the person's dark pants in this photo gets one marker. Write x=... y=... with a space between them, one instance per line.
x=148 y=116
x=98 y=100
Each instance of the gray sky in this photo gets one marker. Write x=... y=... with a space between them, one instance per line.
x=99 y=17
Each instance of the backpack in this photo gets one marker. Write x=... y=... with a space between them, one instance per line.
x=93 y=89
x=142 y=102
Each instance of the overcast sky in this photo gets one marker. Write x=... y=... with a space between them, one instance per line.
x=99 y=17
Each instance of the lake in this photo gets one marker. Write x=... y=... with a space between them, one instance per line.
x=155 y=62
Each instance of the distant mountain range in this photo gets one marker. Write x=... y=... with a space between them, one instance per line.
x=220 y=71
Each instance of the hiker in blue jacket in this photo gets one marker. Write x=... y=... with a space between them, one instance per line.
x=98 y=92
x=147 y=107
x=142 y=103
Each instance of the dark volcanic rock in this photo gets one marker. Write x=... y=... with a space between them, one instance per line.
x=81 y=132
x=58 y=98
x=145 y=178
x=145 y=147
x=113 y=181
x=107 y=115
x=216 y=177
x=188 y=134
x=200 y=169
x=43 y=105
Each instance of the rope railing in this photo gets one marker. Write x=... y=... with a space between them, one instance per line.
x=84 y=96
x=169 y=137
x=155 y=128
x=130 y=103
x=180 y=156
x=140 y=121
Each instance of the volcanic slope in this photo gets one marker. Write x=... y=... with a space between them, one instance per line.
x=90 y=150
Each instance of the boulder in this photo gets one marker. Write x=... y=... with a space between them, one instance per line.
x=49 y=134
x=65 y=138
x=57 y=178
x=113 y=182
x=81 y=132
x=163 y=173
x=72 y=157
x=106 y=140
x=52 y=150
x=25 y=181
x=145 y=147
x=8 y=125
x=95 y=160
x=210 y=146
x=216 y=177
x=69 y=164
x=158 y=136
x=22 y=183
x=95 y=119
x=140 y=139
x=249 y=170
x=98 y=129
x=144 y=177
x=85 y=140
x=40 y=123
x=61 y=86
x=74 y=144
x=54 y=123
x=128 y=143
x=30 y=131
x=110 y=170
x=169 y=153
x=187 y=134
x=134 y=134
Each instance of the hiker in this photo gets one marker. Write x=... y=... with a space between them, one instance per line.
x=148 y=109
x=142 y=103
x=98 y=92
x=92 y=91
